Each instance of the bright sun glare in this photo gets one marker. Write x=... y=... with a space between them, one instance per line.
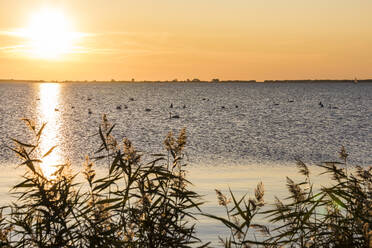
x=50 y=34
x=49 y=101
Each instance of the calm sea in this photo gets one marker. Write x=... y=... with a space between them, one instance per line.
x=238 y=134
x=227 y=123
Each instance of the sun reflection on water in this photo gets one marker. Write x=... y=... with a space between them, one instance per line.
x=49 y=94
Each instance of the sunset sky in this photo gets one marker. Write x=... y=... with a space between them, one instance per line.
x=167 y=39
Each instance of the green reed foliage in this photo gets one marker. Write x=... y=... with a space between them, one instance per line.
x=142 y=203
x=240 y=217
x=339 y=215
x=137 y=204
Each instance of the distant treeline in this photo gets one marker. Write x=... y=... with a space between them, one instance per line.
x=321 y=81
x=195 y=80
x=20 y=81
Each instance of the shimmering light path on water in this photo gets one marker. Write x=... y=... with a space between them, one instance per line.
x=51 y=136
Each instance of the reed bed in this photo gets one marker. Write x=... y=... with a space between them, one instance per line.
x=148 y=203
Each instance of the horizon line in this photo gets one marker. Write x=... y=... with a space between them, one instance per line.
x=194 y=80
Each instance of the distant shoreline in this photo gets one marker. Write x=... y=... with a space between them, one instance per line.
x=194 y=81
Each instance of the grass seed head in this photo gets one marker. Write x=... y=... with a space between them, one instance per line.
x=222 y=199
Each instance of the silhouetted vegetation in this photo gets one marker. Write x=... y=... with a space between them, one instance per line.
x=149 y=204
x=336 y=216
x=137 y=204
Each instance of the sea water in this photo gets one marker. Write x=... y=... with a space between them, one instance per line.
x=237 y=133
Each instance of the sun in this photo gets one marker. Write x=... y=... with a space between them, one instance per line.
x=50 y=35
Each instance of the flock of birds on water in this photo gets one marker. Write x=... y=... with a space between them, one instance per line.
x=176 y=116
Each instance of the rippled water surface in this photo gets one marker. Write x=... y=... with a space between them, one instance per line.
x=227 y=124
x=238 y=134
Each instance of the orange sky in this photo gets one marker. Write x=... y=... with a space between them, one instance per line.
x=167 y=39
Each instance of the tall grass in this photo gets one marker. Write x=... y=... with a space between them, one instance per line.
x=142 y=203
x=336 y=216
x=137 y=204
